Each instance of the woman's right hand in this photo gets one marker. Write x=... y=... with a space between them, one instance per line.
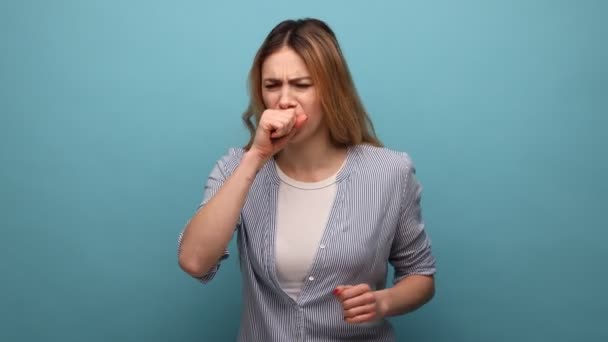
x=276 y=128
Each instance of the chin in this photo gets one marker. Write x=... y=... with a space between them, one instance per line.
x=298 y=139
x=306 y=135
x=295 y=141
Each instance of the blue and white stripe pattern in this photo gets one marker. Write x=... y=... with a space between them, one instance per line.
x=375 y=220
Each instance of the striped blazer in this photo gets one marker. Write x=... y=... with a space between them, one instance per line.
x=375 y=220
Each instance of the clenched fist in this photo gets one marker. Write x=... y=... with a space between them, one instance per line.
x=359 y=303
x=275 y=129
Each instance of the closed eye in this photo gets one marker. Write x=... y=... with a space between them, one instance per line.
x=271 y=86
x=300 y=83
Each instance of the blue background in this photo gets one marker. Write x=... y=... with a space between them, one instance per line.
x=113 y=113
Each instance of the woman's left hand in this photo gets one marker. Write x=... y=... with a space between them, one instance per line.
x=360 y=304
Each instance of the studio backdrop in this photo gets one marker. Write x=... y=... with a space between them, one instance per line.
x=112 y=114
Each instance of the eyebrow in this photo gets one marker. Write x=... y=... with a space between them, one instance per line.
x=293 y=80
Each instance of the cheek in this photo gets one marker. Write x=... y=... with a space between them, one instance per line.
x=313 y=110
x=311 y=105
x=269 y=99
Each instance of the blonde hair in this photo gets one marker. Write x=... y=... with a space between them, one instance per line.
x=316 y=44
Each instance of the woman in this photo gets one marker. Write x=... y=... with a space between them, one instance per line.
x=319 y=206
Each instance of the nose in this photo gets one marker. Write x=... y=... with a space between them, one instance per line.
x=286 y=101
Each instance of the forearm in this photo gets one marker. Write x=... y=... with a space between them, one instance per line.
x=208 y=233
x=407 y=295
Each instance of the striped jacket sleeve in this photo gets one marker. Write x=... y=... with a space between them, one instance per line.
x=216 y=179
x=411 y=247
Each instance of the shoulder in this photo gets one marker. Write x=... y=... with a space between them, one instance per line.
x=230 y=160
x=383 y=159
x=388 y=171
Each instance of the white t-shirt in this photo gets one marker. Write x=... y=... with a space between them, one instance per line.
x=303 y=209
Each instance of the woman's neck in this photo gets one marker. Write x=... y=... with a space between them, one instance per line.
x=311 y=161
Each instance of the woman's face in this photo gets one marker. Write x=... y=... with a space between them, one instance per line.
x=286 y=83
